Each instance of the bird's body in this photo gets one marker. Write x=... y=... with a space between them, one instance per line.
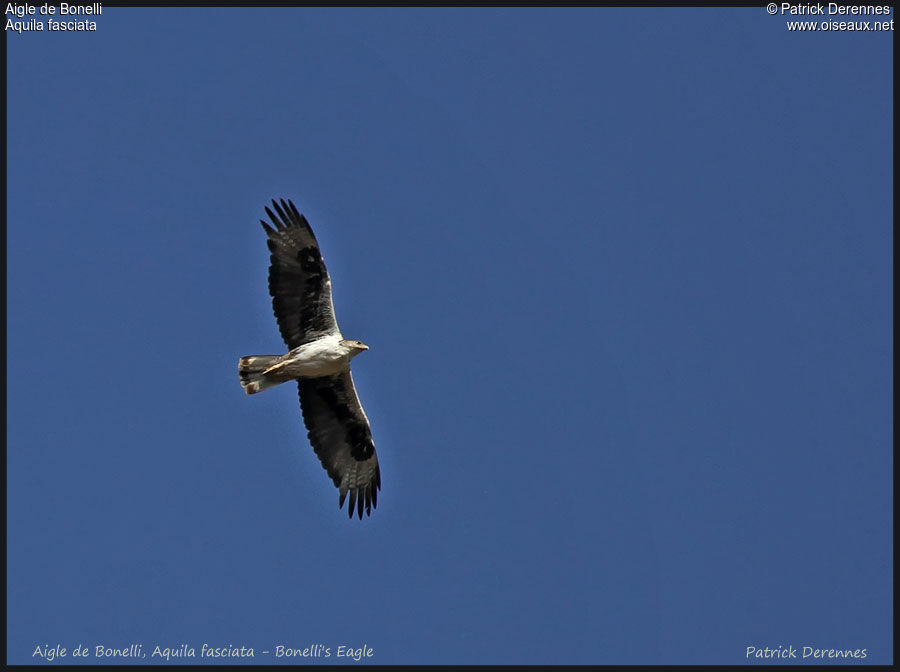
x=325 y=356
x=319 y=360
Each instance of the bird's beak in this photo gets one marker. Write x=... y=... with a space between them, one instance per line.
x=363 y=346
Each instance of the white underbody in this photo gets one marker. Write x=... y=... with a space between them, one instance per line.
x=323 y=357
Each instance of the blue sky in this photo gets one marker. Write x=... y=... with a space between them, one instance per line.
x=626 y=279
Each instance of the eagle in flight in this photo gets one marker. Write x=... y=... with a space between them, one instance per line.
x=319 y=360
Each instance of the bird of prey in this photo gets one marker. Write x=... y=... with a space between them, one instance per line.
x=319 y=360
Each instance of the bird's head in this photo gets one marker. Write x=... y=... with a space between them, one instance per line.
x=355 y=347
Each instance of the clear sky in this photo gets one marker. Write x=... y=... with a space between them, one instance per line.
x=626 y=279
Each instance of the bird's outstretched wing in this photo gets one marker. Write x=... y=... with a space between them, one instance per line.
x=298 y=280
x=339 y=433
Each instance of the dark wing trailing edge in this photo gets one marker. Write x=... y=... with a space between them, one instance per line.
x=339 y=433
x=298 y=281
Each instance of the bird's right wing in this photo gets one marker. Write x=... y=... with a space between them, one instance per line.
x=298 y=280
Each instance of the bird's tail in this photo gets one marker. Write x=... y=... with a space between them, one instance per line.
x=252 y=371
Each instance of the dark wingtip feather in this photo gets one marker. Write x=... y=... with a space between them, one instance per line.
x=284 y=217
x=275 y=221
x=352 y=506
x=268 y=229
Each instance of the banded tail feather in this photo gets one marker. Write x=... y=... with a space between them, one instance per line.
x=252 y=371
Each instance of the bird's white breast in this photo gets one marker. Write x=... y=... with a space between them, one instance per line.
x=322 y=357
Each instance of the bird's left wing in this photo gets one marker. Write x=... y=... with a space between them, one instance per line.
x=338 y=430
